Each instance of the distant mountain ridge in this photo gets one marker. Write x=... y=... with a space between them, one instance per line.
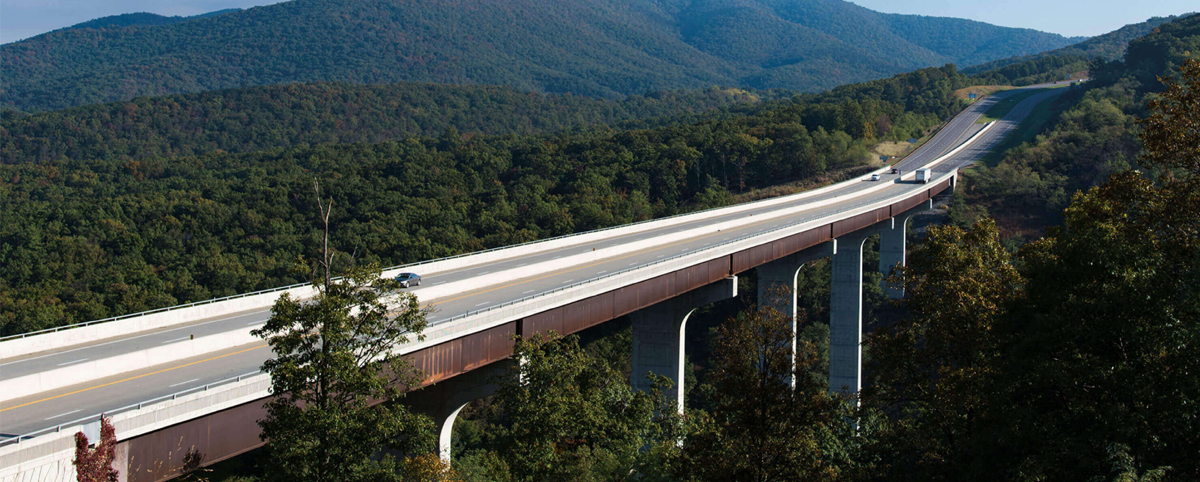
x=601 y=48
x=144 y=19
x=1110 y=46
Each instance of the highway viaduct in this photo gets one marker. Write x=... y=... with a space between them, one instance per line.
x=656 y=273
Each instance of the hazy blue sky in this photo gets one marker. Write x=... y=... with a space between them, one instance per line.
x=25 y=18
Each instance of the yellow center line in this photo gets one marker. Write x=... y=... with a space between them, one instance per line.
x=635 y=253
x=134 y=378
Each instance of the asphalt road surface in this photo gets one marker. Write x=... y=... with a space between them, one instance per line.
x=87 y=400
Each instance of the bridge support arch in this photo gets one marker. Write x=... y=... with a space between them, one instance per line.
x=658 y=336
x=777 y=282
x=443 y=401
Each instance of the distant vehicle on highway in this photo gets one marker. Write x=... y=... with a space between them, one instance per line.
x=924 y=175
x=408 y=279
x=874 y=177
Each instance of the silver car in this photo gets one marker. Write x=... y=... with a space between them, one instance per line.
x=408 y=279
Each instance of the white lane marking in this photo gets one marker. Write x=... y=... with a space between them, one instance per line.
x=188 y=327
x=252 y=323
x=527 y=292
x=483 y=273
x=602 y=272
x=177 y=339
x=633 y=263
x=484 y=303
x=659 y=256
x=73 y=362
x=568 y=280
x=522 y=264
x=63 y=414
x=181 y=383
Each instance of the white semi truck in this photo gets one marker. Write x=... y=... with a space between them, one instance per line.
x=924 y=175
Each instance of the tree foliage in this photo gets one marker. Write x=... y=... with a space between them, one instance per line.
x=570 y=416
x=1172 y=131
x=267 y=117
x=596 y=48
x=929 y=370
x=761 y=427
x=1067 y=60
x=336 y=380
x=96 y=464
x=84 y=239
x=1076 y=366
x=1092 y=134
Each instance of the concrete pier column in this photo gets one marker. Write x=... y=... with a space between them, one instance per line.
x=777 y=281
x=658 y=335
x=893 y=239
x=845 y=314
x=444 y=400
x=891 y=253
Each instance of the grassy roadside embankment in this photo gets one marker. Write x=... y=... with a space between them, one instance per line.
x=1039 y=120
x=1005 y=105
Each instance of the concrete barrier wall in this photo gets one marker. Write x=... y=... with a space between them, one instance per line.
x=154 y=321
x=47 y=457
x=433 y=293
x=99 y=368
x=497 y=316
x=105 y=367
x=124 y=327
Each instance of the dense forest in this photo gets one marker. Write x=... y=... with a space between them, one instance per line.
x=88 y=238
x=1108 y=47
x=1092 y=136
x=1050 y=333
x=144 y=19
x=599 y=48
x=255 y=118
x=1067 y=359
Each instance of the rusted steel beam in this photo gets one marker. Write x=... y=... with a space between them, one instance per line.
x=747 y=259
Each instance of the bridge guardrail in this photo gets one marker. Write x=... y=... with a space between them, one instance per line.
x=135 y=406
x=415 y=264
x=410 y=266
x=414 y=346
x=749 y=205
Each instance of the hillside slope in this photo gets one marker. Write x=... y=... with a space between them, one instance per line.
x=143 y=19
x=1110 y=46
x=279 y=116
x=604 y=48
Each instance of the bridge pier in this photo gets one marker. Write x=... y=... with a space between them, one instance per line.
x=893 y=239
x=845 y=313
x=777 y=282
x=444 y=400
x=658 y=335
x=892 y=243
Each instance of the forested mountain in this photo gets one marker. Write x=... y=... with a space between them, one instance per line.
x=143 y=19
x=1110 y=46
x=604 y=48
x=255 y=118
x=85 y=238
x=1092 y=137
